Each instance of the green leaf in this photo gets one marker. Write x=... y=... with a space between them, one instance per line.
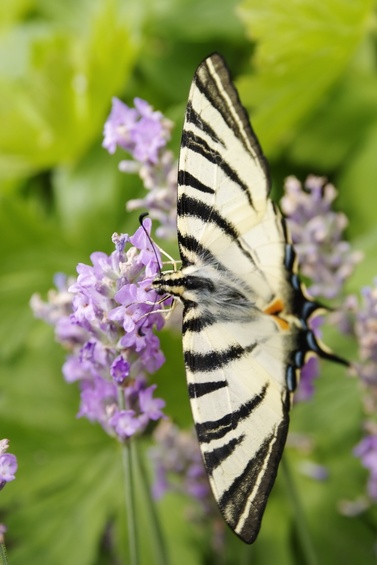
x=57 y=82
x=358 y=182
x=31 y=251
x=12 y=10
x=333 y=133
x=303 y=47
x=93 y=192
x=194 y=20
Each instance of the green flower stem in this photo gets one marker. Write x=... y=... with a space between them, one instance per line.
x=299 y=516
x=129 y=488
x=3 y=555
x=127 y=452
x=160 y=551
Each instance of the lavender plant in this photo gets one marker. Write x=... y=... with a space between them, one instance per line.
x=106 y=318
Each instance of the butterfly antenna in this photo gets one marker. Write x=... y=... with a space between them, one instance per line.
x=141 y=219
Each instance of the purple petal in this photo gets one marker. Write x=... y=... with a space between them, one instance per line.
x=8 y=467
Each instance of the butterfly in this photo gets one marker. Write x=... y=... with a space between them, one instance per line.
x=246 y=332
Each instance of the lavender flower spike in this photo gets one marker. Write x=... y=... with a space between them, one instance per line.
x=143 y=133
x=140 y=131
x=107 y=325
x=317 y=232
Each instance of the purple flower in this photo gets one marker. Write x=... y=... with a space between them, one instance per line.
x=178 y=466
x=118 y=126
x=98 y=400
x=317 y=233
x=140 y=131
x=120 y=369
x=107 y=323
x=143 y=133
x=358 y=318
x=149 y=406
x=366 y=324
x=309 y=373
x=366 y=450
x=313 y=470
x=125 y=423
x=8 y=467
x=8 y=464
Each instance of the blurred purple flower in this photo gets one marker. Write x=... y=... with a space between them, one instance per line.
x=143 y=133
x=106 y=319
x=309 y=372
x=178 y=466
x=366 y=450
x=8 y=464
x=317 y=233
x=366 y=324
x=313 y=470
x=358 y=319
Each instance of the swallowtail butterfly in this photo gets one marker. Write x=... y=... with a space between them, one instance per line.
x=245 y=321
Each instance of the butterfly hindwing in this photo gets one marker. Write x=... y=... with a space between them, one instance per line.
x=240 y=411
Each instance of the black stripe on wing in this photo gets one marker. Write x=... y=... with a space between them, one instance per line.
x=216 y=429
x=260 y=472
x=197 y=323
x=215 y=360
x=198 y=145
x=192 y=117
x=196 y=390
x=216 y=457
x=187 y=179
x=191 y=245
x=193 y=207
x=206 y=84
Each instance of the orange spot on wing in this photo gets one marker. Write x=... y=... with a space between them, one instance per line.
x=283 y=324
x=274 y=309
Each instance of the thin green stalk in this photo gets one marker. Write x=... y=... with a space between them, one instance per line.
x=160 y=551
x=130 y=502
x=129 y=490
x=299 y=516
x=3 y=555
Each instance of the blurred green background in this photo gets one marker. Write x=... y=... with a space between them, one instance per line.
x=306 y=71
